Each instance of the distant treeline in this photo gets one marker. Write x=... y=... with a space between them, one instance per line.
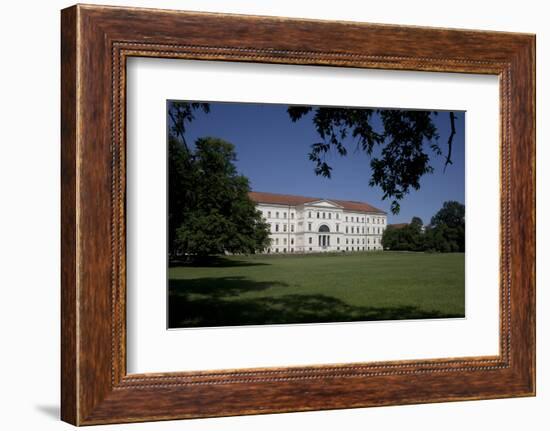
x=445 y=233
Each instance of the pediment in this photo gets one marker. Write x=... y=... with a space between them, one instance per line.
x=323 y=203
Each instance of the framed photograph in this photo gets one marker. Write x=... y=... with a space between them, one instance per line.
x=265 y=215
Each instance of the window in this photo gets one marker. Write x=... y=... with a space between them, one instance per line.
x=292 y=250
x=362 y=219
x=337 y=216
x=352 y=249
x=284 y=250
x=309 y=226
x=310 y=249
x=352 y=229
x=337 y=228
x=292 y=228
x=284 y=241
x=368 y=220
x=310 y=241
x=338 y=248
x=269 y=213
x=368 y=230
x=347 y=241
x=329 y=216
x=269 y=250
x=284 y=215
x=276 y=241
x=346 y=218
x=347 y=248
x=291 y=241
x=363 y=243
x=309 y=214
x=368 y=241
x=362 y=230
x=276 y=250
x=318 y=214
x=284 y=228
x=352 y=240
x=277 y=214
x=276 y=228
x=346 y=229
x=338 y=240
x=292 y=216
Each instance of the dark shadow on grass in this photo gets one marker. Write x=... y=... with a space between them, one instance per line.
x=214 y=302
x=218 y=287
x=213 y=262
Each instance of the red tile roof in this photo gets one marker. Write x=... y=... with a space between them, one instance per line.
x=279 y=199
x=398 y=225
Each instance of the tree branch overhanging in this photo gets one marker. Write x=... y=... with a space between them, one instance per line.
x=448 y=160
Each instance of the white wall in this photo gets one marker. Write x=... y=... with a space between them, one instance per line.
x=29 y=216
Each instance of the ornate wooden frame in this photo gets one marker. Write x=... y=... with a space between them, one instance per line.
x=95 y=43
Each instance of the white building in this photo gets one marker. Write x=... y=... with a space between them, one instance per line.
x=300 y=224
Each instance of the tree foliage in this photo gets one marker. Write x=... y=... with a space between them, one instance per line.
x=217 y=214
x=446 y=232
x=404 y=238
x=180 y=115
x=209 y=211
x=400 y=159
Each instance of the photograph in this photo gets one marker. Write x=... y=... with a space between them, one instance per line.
x=288 y=214
x=309 y=215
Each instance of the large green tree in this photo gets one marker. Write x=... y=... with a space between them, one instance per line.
x=180 y=165
x=446 y=232
x=212 y=202
x=409 y=237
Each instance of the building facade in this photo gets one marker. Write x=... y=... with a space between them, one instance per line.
x=300 y=224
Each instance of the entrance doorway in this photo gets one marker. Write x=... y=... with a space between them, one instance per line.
x=324 y=239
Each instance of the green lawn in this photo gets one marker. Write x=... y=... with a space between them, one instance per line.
x=256 y=290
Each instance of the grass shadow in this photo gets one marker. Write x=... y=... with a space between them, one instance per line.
x=218 y=287
x=214 y=262
x=208 y=302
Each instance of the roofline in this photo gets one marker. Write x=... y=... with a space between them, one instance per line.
x=314 y=199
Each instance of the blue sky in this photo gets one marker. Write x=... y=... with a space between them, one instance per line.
x=272 y=153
